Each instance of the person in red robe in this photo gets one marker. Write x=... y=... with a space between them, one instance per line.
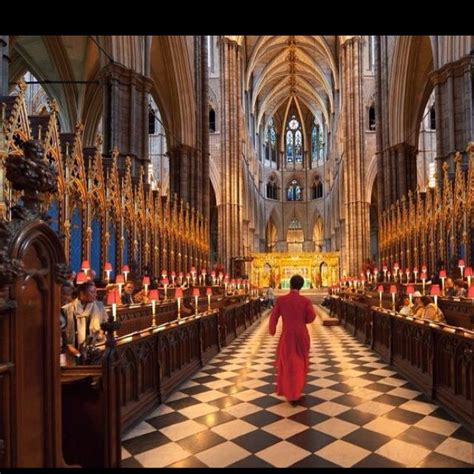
x=292 y=359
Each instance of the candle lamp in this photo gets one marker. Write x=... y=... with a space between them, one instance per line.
x=468 y=275
x=232 y=284
x=380 y=290
x=209 y=294
x=196 y=294
x=193 y=274
x=125 y=271
x=188 y=277
x=376 y=272
x=407 y=273
x=113 y=298
x=120 y=280
x=384 y=269
x=435 y=292
x=108 y=270
x=173 y=277
x=221 y=278
x=178 y=294
x=226 y=282
x=203 y=276
x=415 y=272
x=81 y=278
x=368 y=276
x=146 y=283
x=461 y=267
x=396 y=267
x=180 y=278
x=424 y=269
x=165 y=282
x=393 y=291
x=442 y=275
x=389 y=274
x=213 y=277
x=154 y=297
x=410 y=291
x=85 y=266
x=423 y=279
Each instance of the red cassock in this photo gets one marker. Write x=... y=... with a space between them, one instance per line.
x=292 y=360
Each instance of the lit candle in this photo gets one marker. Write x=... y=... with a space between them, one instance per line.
x=108 y=271
x=196 y=297
x=389 y=275
x=154 y=297
x=423 y=279
x=435 y=292
x=178 y=294
x=146 y=283
x=165 y=283
x=209 y=294
x=461 y=267
x=85 y=267
x=119 y=280
x=380 y=290
x=396 y=267
x=112 y=299
x=468 y=275
x=393 y=291
x=125 y=271
x=442 y=275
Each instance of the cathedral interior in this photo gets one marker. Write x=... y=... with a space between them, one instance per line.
x=158 y=192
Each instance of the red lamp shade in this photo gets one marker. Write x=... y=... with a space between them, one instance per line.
x=221 y=275
x=396 y=266
x=393 y=289
x=385 y=268
x=213 y=274
x=196 y=292
x=108 y=266
x=203 y=271
x=424 y=276
x=239 y=281
x=435 y=290
x=193 y=269
x=165 y=281
x=208 y=291
x=232 y=282
x=468 y=272
x=181 y=275
x=415 y=269
x=164 y=272
x=226 y=279
x=461 y=263
x=178 y=293
x=81 y=278
x=470 y=292
x=112 y=297
x=146 y=280
x=227 y=275
x=125 y=268
x=153 y=295
x=119 y=280
x=423 y=269
x=442 y=273
x=376 y=270
x=410 y=290
x=173 y=274
x=380 y=288
x=85 y=265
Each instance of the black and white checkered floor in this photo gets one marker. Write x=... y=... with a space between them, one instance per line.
x=356 y=412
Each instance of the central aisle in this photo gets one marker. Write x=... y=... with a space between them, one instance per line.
x=356 y=412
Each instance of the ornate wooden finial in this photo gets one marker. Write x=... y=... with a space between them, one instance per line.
x=21 y=86
x=53 y=105
x=99 y=140
x=445 y=166
x=457 y=157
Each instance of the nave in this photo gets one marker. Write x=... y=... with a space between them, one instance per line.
x=355 y=412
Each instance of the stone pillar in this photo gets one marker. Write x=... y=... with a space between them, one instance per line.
x=230 y=222
x=125 y=114
x=205 y=185
x=4 y=63
x=454 y=106
x=356 y=206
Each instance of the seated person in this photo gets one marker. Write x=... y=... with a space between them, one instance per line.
x=418 y=308
x=432 y=312
x=406 y=309
x=83 y=318
x=127 y=293
x=67 y=295
x=459 y=290
x=449 y=287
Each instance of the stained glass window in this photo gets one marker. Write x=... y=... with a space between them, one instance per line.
x=294 y=141
x=294 y=191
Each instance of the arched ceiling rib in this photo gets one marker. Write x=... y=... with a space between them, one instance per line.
x=281 y=67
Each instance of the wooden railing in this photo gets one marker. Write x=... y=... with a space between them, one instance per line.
x=437 y=358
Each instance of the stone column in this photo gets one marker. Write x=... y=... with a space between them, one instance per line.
x=125 y=114
x=356 y=205
x=454 y=106
x=4 y=63
x=230 y=222
x=205 y=185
